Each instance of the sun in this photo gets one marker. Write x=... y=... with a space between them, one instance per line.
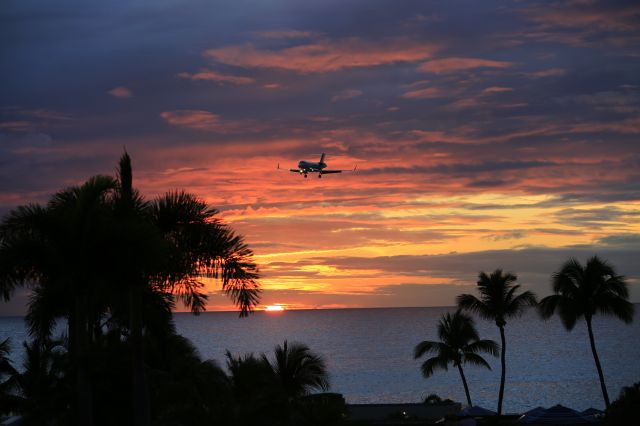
x=274 y=308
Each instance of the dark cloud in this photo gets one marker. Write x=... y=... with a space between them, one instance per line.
x=534 y=266
x=597 y=217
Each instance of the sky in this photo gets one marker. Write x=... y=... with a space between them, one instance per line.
x=492 y=134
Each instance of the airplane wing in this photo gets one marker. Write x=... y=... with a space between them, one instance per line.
x=291 y=170
x=326 y=172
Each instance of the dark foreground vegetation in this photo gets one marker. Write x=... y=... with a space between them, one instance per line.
x=184 y=389
x=112 y=265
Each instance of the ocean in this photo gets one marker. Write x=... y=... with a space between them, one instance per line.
x=369 y=353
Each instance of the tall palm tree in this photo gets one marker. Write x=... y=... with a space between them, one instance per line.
x=298 y=370
x=584 y=291
x=459 y=344
x=60 y=249
x=171 y=243
x=498 y=301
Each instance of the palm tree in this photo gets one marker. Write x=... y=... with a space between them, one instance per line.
x=253 y=389
x=498 y=301
x=298 y=370
x=60 y=249
x=459 y=344
x=162 y=248
x=170 y=244
x=583 y=292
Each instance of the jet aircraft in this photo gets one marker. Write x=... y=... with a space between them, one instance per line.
x=320 y=167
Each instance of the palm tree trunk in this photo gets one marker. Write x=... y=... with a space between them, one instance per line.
x=605 y=394
x=464 y=382
x=503 y=365
x=84 y=395
x=141 y=401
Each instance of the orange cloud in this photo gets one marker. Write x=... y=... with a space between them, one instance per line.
x=346 y=95
x=464 y=103
x=428 y=93
x=325 y=55
x=193 y=118
x=209 y=75
x=17 y=126
x=496 y=89
x=551 y=72
x=439 y=66
x=120 y=92
x=585 y=16
x=287 y=34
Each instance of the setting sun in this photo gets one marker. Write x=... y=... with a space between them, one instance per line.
x=274 y=308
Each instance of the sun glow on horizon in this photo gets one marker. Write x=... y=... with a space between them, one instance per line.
x=274 y=308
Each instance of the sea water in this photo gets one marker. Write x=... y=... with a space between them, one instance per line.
x=369 y=353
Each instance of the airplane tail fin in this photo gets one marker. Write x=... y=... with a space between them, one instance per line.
x=322 y=157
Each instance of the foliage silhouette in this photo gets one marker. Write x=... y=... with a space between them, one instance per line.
x=584 y=291
x=278 y=391
x=298 y=370
x=624 y=411
x=8 y=401
x=459 y=344
x=60 y=248
x=155 y=254
x=41 y=392
x=498 y=301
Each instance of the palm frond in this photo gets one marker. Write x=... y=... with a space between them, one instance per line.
x=547 y=306
x=426 y=347
x=471 y=303
x=486 y=346
x=430 y=365
x=565 y=280
x=616 y=306
x=475 y=359
x=299 y=370
x=46 y=305
x=520 y=303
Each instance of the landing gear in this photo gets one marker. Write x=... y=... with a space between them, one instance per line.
x=319 y=175
x=305 y=175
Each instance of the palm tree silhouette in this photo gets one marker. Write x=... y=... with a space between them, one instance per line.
x=459 y=344
x=183 y=242
x=59 y=248
x=583 y=292
x=497 y=302
x=151 y=250
x=273 y=391
x=42 y=387
x=8 y=399
x=298 y=370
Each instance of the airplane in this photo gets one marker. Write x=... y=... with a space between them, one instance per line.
x=305 y=167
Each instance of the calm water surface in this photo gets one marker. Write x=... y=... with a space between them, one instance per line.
x=369 y=353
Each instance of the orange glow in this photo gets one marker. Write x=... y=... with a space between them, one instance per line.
x=274 y=308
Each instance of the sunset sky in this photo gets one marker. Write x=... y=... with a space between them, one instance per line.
x=487 y=134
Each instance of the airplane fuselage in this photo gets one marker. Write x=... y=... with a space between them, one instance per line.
x=310 y=166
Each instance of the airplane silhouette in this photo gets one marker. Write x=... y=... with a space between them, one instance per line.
x=320 y=167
